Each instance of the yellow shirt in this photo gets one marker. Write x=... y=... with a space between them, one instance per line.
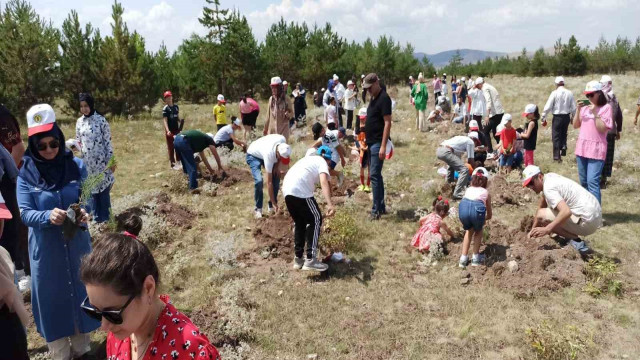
x=220 y=114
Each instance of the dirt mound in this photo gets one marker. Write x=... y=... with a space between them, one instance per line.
x=505 y=193
x=233 y=177
x=527 y=266
x=273 y=236
x=348 y=188
x=173 y=213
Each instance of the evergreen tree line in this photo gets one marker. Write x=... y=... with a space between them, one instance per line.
x=568 y=58
x=40 y=63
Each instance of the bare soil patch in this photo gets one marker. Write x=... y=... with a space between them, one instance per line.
x=273 y=237
x=504 y=193
x=234 y=176
x=542 y=264
x=175 y=214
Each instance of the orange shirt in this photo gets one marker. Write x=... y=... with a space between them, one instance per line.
x=508 y=138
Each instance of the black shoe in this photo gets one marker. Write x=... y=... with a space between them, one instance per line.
x=603 y=183
x=564 y=152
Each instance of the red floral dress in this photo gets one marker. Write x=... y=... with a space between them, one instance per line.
x=429 y=231
x=175 y=338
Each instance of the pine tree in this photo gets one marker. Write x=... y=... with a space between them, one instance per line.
x=539 y=63
x=455 y=63
x=217 y=21
x=242 y=65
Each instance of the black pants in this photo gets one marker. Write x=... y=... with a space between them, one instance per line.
x=490 y=130
x=607 y=170
x=339 y=110
x=13 y=339
x=435 y=97
x=308 y=220
x=10 y=236
x=364 y=96
x=559 y=128
x=228 y=144
x=349 y=119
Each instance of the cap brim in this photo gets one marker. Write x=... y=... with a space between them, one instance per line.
x=524 y=114
x=4 y=212
x=589 y=92
x=362 y=117
x=40 y=129
x=285 y=160
x=526 y=181
x=474 y=128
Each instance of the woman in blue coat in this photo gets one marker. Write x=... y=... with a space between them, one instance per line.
x=49 y=181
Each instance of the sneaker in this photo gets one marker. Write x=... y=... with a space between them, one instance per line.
x=258 y=214
x=361 y=188
x=298 y=263
x=314 y=265
x=24 y=284
x=195 y=191
x=270 y=210
x=463 y=263
x=340 y=179
x=367 y=189
x=177 y=167
x=477 y=261
x=581 y=246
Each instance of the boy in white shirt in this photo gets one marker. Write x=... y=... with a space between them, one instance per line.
x=330 y=114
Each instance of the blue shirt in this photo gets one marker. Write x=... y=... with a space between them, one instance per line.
x=56 y=289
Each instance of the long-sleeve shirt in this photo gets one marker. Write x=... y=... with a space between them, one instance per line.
x=478 y=102
x=278 y=116
x=492 y=97
x=560 y=102
x=436 y=85
x=94 y=134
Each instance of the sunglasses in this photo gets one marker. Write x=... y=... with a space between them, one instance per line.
x=112 y=316
x=53 y=144
x=591 y=95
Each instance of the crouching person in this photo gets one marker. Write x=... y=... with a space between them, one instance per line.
x=191 y=142
x=570 y=209
x=298 y=187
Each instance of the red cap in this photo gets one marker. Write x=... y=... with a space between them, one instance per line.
x=167 y=94
x=285 y=160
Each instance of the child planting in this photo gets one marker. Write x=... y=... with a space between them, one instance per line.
x=474 y=211
x=331 y=139
x=363 y=149
x=530 y=134
x=507 y=142
x=431 y=225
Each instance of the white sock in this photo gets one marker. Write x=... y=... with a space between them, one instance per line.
x=475 y=256
x=464 y=258
x=20 y=274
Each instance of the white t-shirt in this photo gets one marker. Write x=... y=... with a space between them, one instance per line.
x=339 y=89
x=349 y=104
x=265 y=149
x=460 y=145
x=330 y=114
x=302 y=177
x=224 y=134
x=460 y=110
x=444 y=88
x=581 y=202
x=331 y=140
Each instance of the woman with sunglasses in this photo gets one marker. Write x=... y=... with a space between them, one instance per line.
x=49 y=181
x=594 y=119
x=123 y=293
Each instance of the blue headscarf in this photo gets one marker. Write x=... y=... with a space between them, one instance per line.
x=330 y=85
x=57 y=172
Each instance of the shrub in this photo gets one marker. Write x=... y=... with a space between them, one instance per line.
x=554 y=342
x=342 y=233
x=601 y=274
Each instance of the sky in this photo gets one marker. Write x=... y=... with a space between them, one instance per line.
x=430 y=25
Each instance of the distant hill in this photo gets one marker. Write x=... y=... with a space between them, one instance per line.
x=469 y=56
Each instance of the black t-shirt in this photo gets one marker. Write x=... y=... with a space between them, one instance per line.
x=172 y=114
x=378 y=108
x=530 y=143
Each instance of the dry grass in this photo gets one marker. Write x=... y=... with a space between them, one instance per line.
x=383 y=305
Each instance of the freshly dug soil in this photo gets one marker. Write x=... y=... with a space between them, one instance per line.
x=348 y=188
x=543 y=264
x=234 y=176
x=175 y=214
x=504 y=193
x=273 y=235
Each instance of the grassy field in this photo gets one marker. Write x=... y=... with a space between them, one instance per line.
x=385 y=304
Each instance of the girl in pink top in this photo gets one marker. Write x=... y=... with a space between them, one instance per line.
x=249 y=111
x=593 y=120
x=431 y=225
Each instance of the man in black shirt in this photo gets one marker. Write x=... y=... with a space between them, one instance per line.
x=172 y=126
x=378 y=129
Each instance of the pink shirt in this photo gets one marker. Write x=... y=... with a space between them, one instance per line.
x=437 y=85
x=591 y=143
x=477 y=193
x=248 y=107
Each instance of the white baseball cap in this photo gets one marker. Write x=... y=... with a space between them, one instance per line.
x=276 y=80
x=473 y=125
x=362 y=76
x=529 y=109
x=445 y=74
x=362 y=112
x=285 y=83
x=606 y=79
x=559 y=80
x=464 y=78
x=505 y=119
x=592 y=86
x=479 y=80
x=220 y=97
x=528 y=173
x=285 y=153
x=237 y=122
x=40 y=118
x=473 y=135
x=335 y=77
x=4 y=211
x=349 y=82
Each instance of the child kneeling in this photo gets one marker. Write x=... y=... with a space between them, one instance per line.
x=430 y=226
x=474 y=211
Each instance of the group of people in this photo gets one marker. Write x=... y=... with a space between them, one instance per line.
x=567 y=208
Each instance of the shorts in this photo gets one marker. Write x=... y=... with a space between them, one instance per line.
x=331 y=126
x=472 y=214
x=506 y=160
x=333 y=165
x=250 y=118
x=365 y=158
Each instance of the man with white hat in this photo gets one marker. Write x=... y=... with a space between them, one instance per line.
x=273 y=153
x=225 y=136
x=192 y=142
x=563 y=107
x=495 y=111
x=350 y=97
x=339 y=91
x=478 y=106
x=280 y=110
x=298 y=187
x=614 y=132
x=450 y=151
x=570 y=209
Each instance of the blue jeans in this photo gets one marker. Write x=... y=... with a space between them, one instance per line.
x=101 y=205
x=256 y=166
x=472 y=214
x=589 y=171
x=377 y=183
x=506 y=160
x=518 y=157
x=189 y=166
